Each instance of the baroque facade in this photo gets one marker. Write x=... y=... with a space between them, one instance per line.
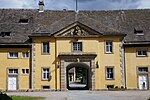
x=63 y=50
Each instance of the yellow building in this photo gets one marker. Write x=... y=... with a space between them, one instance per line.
x=67 y=50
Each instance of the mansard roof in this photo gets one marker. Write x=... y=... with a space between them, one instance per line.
x=50 y=22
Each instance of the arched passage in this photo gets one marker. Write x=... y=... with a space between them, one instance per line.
x=78 y=76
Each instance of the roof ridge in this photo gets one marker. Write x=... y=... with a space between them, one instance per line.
x=116 y=10
x=34 y=9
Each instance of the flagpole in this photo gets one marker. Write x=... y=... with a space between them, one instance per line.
x=76 y=5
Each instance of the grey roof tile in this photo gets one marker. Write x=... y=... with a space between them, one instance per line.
x=110 y=22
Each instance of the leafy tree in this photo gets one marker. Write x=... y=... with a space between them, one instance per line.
x=4 y=97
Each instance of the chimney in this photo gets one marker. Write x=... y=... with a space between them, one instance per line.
x=41 y=6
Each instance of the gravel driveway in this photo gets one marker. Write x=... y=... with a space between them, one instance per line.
x=88 y=95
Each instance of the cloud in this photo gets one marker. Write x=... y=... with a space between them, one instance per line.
x=18 y=4
x=96 y=4
x=109 y=4
x=82 y=4
x=144 y=4
x=60 y=4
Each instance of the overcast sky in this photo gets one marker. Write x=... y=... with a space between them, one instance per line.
x=82 y=4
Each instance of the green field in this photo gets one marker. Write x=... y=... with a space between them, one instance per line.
x=26 y=98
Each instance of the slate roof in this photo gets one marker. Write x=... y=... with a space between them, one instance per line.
x=125 y=21
x=109 y=22
x=38 y=22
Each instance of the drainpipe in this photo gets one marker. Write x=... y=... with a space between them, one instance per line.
x=32 y=66
x=55 y=64
x=123 y=64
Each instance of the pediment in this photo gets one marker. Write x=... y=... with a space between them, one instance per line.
x=77 y=30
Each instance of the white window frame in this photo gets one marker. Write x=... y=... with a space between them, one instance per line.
x=142 y=53
x=108 y=46
x=26 y=71
x=108 y=74
x=47 y=48
x=77 y=46
x=13 y=56
x=25 y=54
x=13 y=71
x=46 y=73
x=139 y=33
x=143 y=69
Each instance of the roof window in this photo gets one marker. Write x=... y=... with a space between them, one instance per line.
x=24 y=21
x=138 y=32
x=5 y=34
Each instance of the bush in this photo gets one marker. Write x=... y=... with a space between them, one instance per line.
x=4 y=97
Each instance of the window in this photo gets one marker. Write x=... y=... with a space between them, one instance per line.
x=12 y=71
x=25 y=54
x=110 y=86
x=45 y=47
x=13 y=54
x=143 y=69
x=141 y=52
x=77 y=46
x=138 y=32
x=45 y=74
x=25 y=71
x=23 y=21
x=108 y=47
x=46 y=87
x=5 y=34
x=109 y=73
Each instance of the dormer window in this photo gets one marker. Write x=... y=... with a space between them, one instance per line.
x=23 y=21
x=5 y=34
x=138 y=32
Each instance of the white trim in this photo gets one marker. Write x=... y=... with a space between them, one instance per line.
x=47 y=50
x=8 y=83
x=79 y=47
x=47 y=73
x=25 y=71
x=142 y=70
x=109 y=46
x=13 y=71
x=25 y=54
x=13 y=56
x=108 y=78
x=142 y=52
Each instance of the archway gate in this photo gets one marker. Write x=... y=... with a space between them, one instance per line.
x=81 y=74
x=71 y=58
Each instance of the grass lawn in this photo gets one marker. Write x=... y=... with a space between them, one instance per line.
x=27 y=98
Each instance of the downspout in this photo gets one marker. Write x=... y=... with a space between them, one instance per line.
x=55 y=64
x=32 y=66
x=123 y=65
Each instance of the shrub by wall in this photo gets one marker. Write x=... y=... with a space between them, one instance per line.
x=5 y=97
